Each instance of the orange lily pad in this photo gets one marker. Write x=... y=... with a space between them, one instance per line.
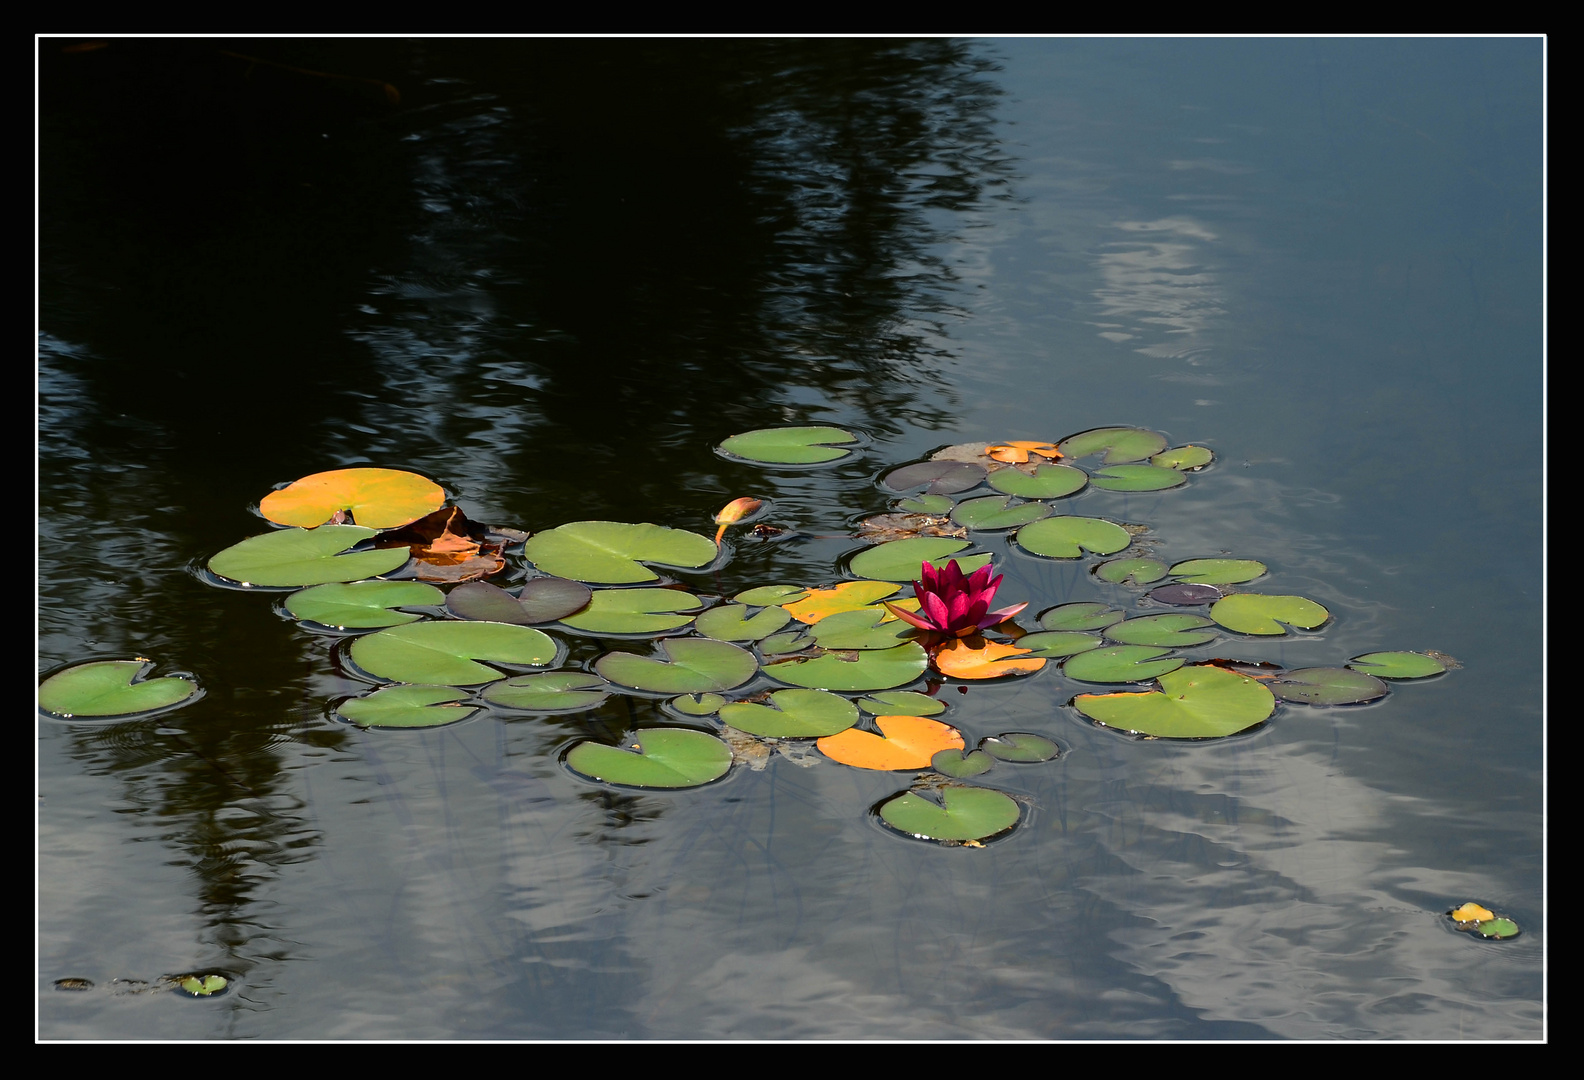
x=975 y=658
x=905 y=742
x=1016 y=453
x=848 y=596
x=373 y=498
x=1471 y=912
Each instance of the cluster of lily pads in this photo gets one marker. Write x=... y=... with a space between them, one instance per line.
x=833 y=671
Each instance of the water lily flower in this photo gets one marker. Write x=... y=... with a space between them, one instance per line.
x=951 y=605
x=732 y=513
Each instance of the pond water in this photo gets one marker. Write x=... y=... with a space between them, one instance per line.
x=554 y=277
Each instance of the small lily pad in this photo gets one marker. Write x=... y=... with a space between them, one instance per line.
x=684 y=666
x=1179 y=595
x=769 y=595
x=1085 y=615
x=697 y=704
x=870 y=669
x=613 y=552
x=1397 y=665
x=106 y=688
x=954 y=763
x=295 y=557
x=926 y=504
x=1020 y=746
x=1120 y=664
x=903 y=560
x=901 y=703
x=1199 y=702
x=550 y=692
x=1047 y=482
x=965 y=814
x=790 y=445
x=445 y=653
x=1496 y=928
x=1120 y=444
x=793 y=714
x=1217 y=571
x=1056 y=644
x=658 y=758
x=732 y=622
x=634 y=611
x=1131 y=571
x=363 y=605
x=936 y=477
x=1185 y=458
x=1257 y=613
x=1137 y=478
x=202 y=985
x=789 y=642
x=998 y=512
x=1171 y=631
x=1326 y=686
x=407 y=707
x=1069 y=537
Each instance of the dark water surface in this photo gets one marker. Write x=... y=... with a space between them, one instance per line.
x=554 y=277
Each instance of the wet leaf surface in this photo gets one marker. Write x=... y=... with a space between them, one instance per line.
x=1326 y=686
x=407 y=707
x=961 y=766
x=634 y=611
x=904 y=742
x=1044 y=482
x=1186 y=458
x=977 y=658
x=681 y=666
x=292 y=557
x=1257 y=613
x=965 y=814
x=1217 y=571
x=1055 y=644
x=1020 y=746
x=105 y=688
x=1397 y=665
x=1200 y=702
x=363 y=605
x=446 y=653
x=543 y=600
x=1085 y=615
x=1131 y=571
x=792 y=714
x=1136 y=478
x=1119 y=444
x=903 y=560
x=733 y=622
x=1069 y=537
x=1172 y=631
x=936 y=477
x=551 y=692
x=1185 y=595
x=817 y=604
x=1120 y=664
x=998 y=512
x=612 y=552
x=791 y=445
x=873 y=669
x=901 y=703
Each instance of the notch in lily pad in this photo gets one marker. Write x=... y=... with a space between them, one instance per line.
x=542 y=600
x=448 y=653
x=549 y=692
x=682 y=666
x=105 y=689
x=1477 y=919
x=791 y=445
x=1267 y=615
x=1326 y=686
x=792 y=714
x=374 y=498
x=613 y=552
x=1198 y=702
x=297 y=557
x=363 y=605
x=1401 y=665
x=1119 y=444
x=407 y=707
x=208 y=985
x=1069 y=537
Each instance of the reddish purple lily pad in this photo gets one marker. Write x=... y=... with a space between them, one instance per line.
x=1181 y=595
x=543 y=600
x=1326 y=686
x=943 y=477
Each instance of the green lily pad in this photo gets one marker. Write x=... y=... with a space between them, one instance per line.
x=1056 y=644
x=873 y=669
x=202 y=985
x=797 y=714
x=1326 y=686
x=731 y=622
x=612 y=552
x=903 y=560
x=634 y=611
x=1020 y=746
x=860 y=629
x=1199 y=702
x=901 y=703
x=954 y=763
x=1119 y=443
x=1171 y=631
x=660 y=758
x=685 y=666
x=1131 y=571
x=1068 y=537
x=444 y=653
x=1047 y=482
x=966 y=813
x=550 y=692
x=1218 y=571
x=790 y=445
x=1137 y=478
x=926 y=504
x=1496 y=928
x=294 y=557
x=697 y=704
x=1256 y=613
x=1185 y=458
x=771 y=595
x=1120 y=664
x=998 y=512
x=1397 y=665
x=407 y=707
x=363 y=605
x=111 y=688
x=789 y=642
x=1085 y=615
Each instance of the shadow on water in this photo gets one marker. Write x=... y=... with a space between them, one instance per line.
x=554 y=276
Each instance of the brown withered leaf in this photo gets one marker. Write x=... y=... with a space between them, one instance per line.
x=447 y=547
x=886 y=527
